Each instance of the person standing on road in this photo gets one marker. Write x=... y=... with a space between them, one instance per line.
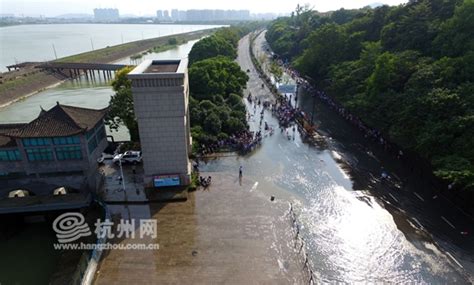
x=240 y=171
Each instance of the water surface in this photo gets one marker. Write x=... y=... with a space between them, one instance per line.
x=35 y=42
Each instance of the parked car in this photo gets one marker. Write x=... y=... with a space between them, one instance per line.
x=105 y=156
x=130 y=156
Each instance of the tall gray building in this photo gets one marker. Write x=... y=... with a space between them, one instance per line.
x=166 y=15
x=161 y=97
x=159 y=15
x=175 y=15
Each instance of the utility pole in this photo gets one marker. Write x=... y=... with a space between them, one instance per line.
x=121 y=174
x=92 y=44
x=55 y=54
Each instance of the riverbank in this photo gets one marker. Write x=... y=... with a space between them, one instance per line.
x=18 y=85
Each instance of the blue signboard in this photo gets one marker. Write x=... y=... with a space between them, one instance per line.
x=166 y=181
x=287 y=88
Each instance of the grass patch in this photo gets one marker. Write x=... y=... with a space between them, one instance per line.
x=194 y=181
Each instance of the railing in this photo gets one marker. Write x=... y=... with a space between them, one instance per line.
x=87 y=267
x=300 y=246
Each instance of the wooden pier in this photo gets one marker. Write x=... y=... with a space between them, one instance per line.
x=73 y=70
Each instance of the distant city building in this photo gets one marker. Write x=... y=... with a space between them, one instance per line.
x=203 y=15
x=161 y=102
x=175 y=15
x=60 y=146
x=159 y=15
x=264 y=16
x=182 y=15
x=106 y=15
x=166 y=15
x=4 y=16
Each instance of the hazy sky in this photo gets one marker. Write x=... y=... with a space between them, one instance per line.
x=147 y=7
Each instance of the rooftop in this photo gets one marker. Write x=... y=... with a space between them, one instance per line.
x=6 y=141
x=153 y=69
x=162 y=67
x=61 y=120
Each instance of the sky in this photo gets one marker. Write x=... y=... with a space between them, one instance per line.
x=148 y=7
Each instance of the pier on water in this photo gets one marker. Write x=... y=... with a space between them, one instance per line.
x=73 y=69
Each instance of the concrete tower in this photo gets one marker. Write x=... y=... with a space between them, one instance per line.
x=161 y=97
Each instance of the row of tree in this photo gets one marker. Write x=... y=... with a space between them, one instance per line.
x=216 y=85
x=406 y=70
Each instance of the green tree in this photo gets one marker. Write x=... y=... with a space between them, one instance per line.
x=216 y=76
x=326 y=46
x=211 y=47
x=212 y=124
x=121 y=110
x=230 y=34
x=457 y=33
x=277 y=72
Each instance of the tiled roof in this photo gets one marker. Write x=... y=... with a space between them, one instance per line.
x=5 y=128
x=61 y=120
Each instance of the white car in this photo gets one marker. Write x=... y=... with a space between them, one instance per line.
x=130 y=156
x=105 y=156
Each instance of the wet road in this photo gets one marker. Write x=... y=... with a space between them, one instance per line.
x=376 y=233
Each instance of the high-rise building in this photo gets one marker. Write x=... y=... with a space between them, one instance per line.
x=166 y=15
x=106 y=15
x=217 y=15
x=182 y=16
x=159 y=15
x=175 y=15
x=161 y=99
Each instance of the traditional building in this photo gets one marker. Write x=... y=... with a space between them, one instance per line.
x=60 y=146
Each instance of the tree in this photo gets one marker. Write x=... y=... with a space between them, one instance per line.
x=326 y=46
x=211 y=47
x=121 y=110
x=457 y=33
x=277 y=72
x=212 y=124
x=172 y=41
x=216 y=76
x=230 y=34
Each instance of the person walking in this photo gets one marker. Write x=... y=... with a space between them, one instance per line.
x=240 y=171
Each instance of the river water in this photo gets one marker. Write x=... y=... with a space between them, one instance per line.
x=35 y=42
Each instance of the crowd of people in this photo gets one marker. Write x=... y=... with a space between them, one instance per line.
x=369 y=132
x=205 y=182
x=284 y=111
x=243 y=141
